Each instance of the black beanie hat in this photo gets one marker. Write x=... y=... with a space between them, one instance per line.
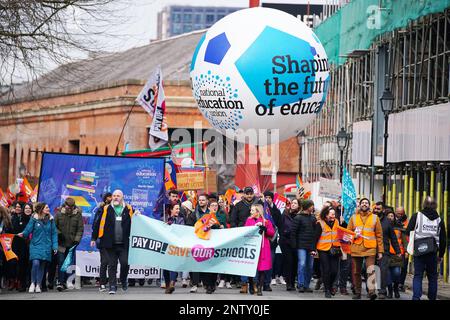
x=268 y=194
x=307 y=204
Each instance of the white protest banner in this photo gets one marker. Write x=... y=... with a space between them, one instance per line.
x=147 y=96
x=177 y=248
x=159 y=130
x=88 y=265
x=330 y=189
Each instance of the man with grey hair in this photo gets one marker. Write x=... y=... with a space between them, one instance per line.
x=429 y=247
x=113 y=232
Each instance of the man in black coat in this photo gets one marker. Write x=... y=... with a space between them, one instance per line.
x=302 y=239
x=276 y=217
x=107 y=198
x=389 y=238
x=241 y=211
x=113 y=230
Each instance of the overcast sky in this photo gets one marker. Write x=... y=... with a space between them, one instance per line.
x=142 y=16
x=142 y=20
x=133 y=23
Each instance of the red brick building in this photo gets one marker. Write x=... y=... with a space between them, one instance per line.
x=81 y=107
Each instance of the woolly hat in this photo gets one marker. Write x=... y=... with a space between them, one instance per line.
x=268 y=194
x=306 y=204
x=188 y=205
x=69 y=202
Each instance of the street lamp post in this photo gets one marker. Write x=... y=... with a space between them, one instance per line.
x=301 y=141
x=386 y=101
x=342 y=140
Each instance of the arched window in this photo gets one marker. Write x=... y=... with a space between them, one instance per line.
x=106 y=150
x=96 y=150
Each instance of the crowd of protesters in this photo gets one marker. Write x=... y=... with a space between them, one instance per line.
x=299 y=243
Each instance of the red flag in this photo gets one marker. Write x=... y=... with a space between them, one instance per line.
x=33 y=196
x=27 y=186
x=229 y=195
x=3 y=199
x=10 y=196
x=23 y=195
x=345 y=237
x=6 y=240
x=279 y=201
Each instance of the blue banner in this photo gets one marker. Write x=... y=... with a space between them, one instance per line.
x=177 y=248
x=348 y=195
x=85 y=178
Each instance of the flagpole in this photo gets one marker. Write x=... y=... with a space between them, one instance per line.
x=123 y=128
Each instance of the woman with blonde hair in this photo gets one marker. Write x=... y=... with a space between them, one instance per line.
x=43 y=245
x=267 y=230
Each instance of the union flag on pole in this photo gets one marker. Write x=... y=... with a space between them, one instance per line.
x=279 y=201
x=147 y=96
x=345 y=237
x=153 y=100
x=6 y=240
x=3 y=199
x=302 y=191
x=202 y=228
x=159 y=135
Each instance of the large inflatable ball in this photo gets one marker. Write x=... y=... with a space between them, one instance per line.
x=259 y=68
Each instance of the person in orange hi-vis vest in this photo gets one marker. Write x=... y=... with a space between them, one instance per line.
x=367 y=246
x=402 y=219
x=328 y=247
x=113 y=230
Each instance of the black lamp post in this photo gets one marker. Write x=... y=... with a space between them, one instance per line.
x=342 y=140
x=387 y=101
x=301 y=137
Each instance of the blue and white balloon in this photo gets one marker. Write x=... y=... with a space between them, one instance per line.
x=260 y=68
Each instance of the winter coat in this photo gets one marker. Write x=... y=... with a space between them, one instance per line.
x=241 y=211
x=190 y=219
x=303 y=232
x=287 y=221
x=265 y=256
x=107 y=241
x=176 y=220
x=200 y=213
x=431 y=215
x=70 y=227
x=389 y=236
x=222 y=217
x=276 y=217
x=44 y=238
x=19 y=222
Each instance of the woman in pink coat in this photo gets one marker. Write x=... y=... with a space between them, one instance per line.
x=265 y=257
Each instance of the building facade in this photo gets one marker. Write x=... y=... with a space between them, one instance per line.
x=176 y=20
x=83 y=107
x=403 y=47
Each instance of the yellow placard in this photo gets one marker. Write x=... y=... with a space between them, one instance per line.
x=190 y=181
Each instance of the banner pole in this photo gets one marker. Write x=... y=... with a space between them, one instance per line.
x=123 y=128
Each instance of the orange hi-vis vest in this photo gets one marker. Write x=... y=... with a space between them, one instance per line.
x=368 y=238
x=328 y=237
x=398 y=234
x=103 y=219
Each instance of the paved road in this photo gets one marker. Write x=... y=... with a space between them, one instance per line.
x=154 y=293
